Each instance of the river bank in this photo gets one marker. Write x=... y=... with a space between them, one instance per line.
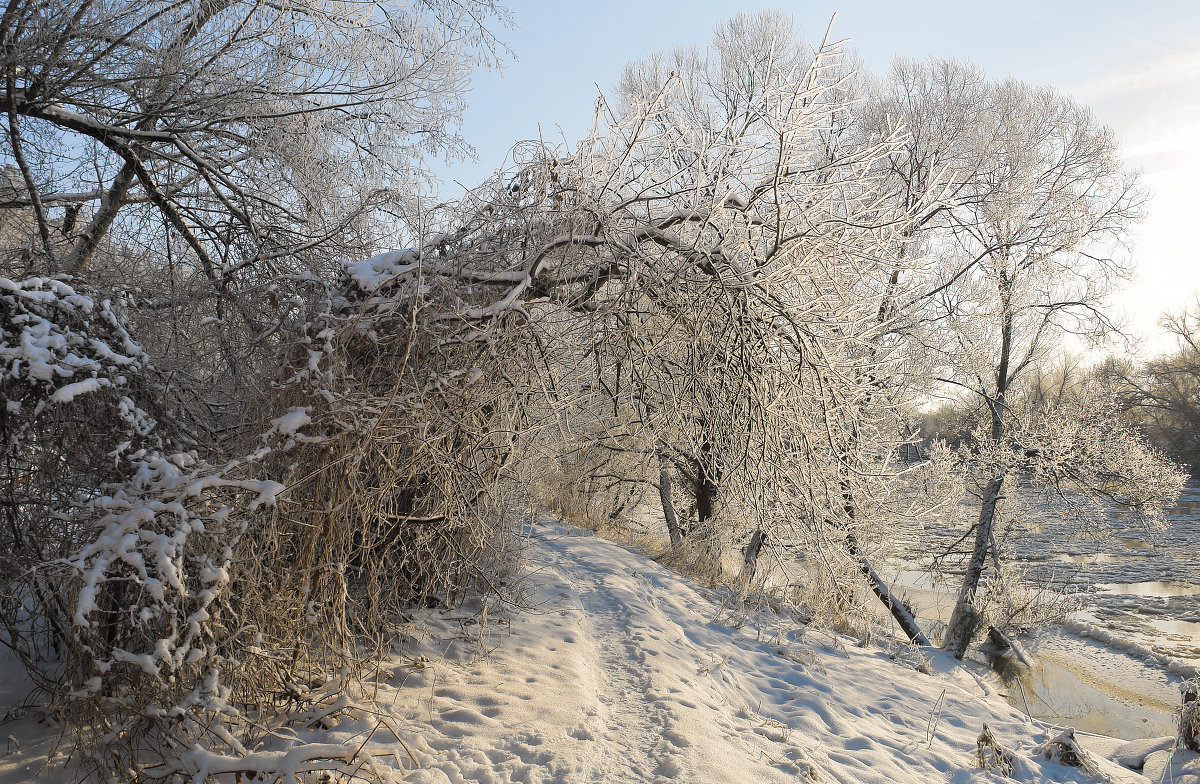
x=1133 y=634
x=1076 y=676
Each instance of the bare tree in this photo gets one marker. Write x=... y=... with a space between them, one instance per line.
x=243 y=125
x=1029 y=255
x=1163 y=394
x=190 y=153
x=749 y=361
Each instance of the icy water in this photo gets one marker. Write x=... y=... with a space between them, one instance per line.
x=1140 y=586
x=1115 y=666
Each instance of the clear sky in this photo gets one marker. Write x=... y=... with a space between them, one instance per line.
x=1137 y=64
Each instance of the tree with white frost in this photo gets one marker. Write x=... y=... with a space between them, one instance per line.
x=255 y=131
x=737 y=341
x=1026 y=255
x=191 y=153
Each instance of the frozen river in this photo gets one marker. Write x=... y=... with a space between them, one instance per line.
x=1139 y=585
x=1114 y=667
x=1142 y=586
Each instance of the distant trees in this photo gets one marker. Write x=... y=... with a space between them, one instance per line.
x=1163 y=394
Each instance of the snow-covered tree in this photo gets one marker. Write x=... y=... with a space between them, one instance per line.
x=191 y=153
x=741 y=251
x=1027 y=247
x=255 y=131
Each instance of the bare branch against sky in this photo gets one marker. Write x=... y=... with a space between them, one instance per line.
x=1139 y=69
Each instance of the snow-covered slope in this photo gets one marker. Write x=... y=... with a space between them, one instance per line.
x=615 y=669
x=625 y=672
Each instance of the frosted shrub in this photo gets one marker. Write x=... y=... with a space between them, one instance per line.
x=75 y=387
x=990 y=755
x=1189 y=714
x=119 y=551
x=1013 y=602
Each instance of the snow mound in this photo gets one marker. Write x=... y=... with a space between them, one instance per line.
x=1134 y=754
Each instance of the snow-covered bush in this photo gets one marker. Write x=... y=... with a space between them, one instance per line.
x=118 y=546
x=1189 y=715
x=77 y=403
x=156 y=589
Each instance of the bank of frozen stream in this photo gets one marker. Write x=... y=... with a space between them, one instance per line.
x=1115 y=666
x=1071 y=680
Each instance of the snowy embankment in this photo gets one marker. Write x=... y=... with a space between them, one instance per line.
x=618 y=670
x=1119 y=642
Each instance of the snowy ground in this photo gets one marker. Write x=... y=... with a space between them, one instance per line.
x=621 y=671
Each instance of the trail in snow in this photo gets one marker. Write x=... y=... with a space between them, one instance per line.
x=625 y=674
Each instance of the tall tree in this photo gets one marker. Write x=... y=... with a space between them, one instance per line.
x=1028 y=253
x=753 y=370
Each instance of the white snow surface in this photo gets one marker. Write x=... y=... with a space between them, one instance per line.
x=626 y=672
x=615 y=669
x=291 y=422
x=377 y=271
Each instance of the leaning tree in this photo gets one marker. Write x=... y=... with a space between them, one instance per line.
x=1026 y=251
x=740 y=249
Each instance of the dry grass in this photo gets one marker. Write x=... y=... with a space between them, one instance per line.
x=991 y=756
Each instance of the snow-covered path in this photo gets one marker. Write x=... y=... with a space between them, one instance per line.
x=624 y=672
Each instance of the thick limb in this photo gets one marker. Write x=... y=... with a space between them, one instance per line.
x=900 y=612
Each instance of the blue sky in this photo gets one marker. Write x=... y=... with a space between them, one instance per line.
x=1136 y=64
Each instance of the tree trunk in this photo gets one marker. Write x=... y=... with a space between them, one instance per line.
x=668 y=506
x=704 y=498
x=706 y=483
x=965 y=619
x=904 y=617
x=110 y=203
x=750 y=555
